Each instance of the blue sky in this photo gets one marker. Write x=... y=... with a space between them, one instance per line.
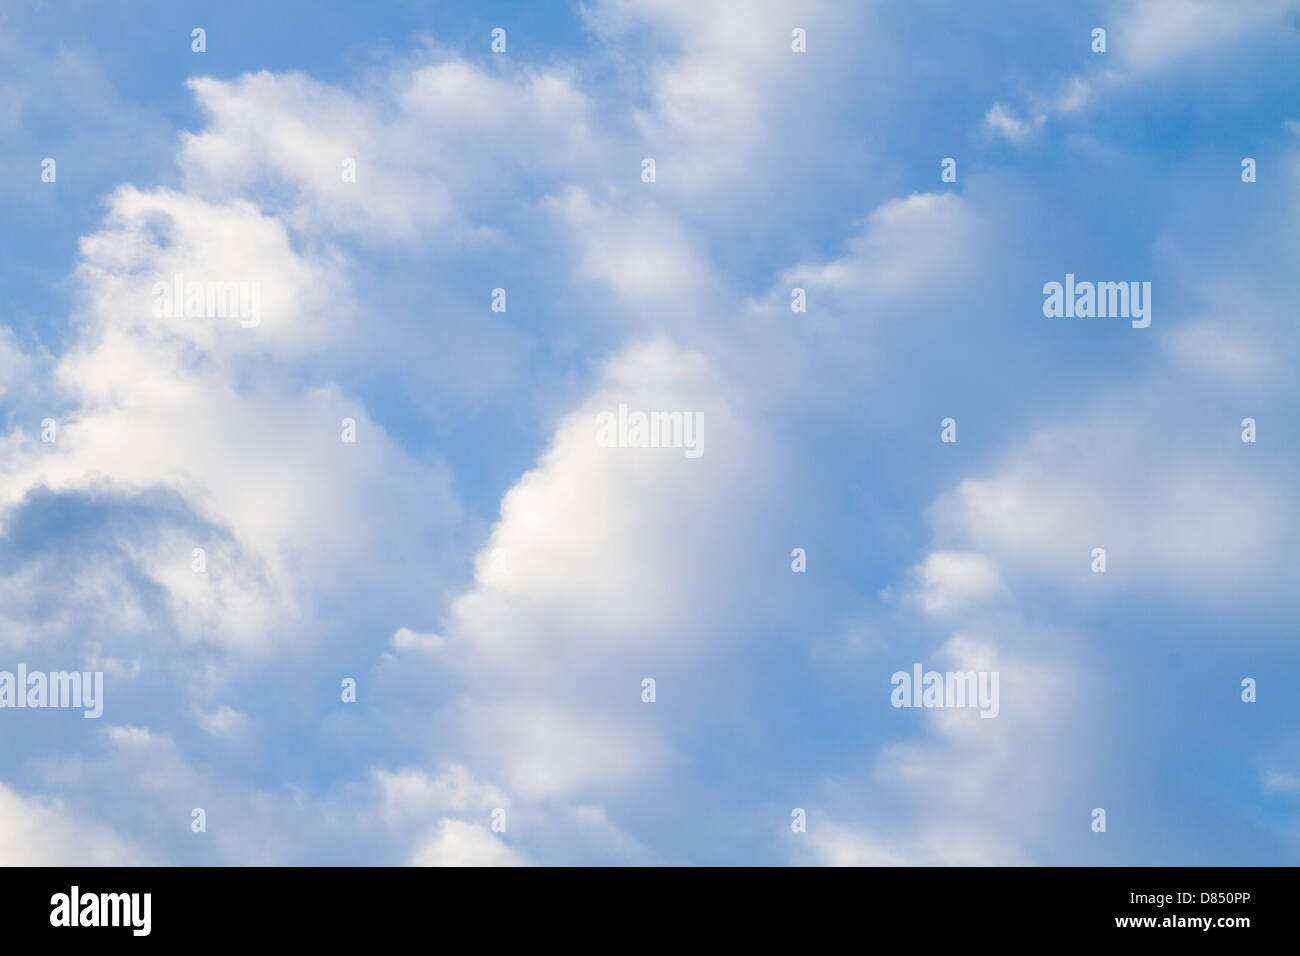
x=498 y=585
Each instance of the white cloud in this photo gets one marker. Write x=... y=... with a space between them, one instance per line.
x=641 y=253
x=409 y=135
x=171 y=403
x=405 y=639
x=1075 y=95
x=897 y=251
x=619 y=564
x=606 y=574
x=1156 y=34
x=1146 y=38
x=1276 y=781
x=720 y=84
x=1220 y=349
x=950 y=580
x=16 y=366
x=1119 y=479
x=972 y=792
x=225 y=722
x=408 y=794
x=37 y=832
x=458 y=843
x=1002 y=121
x=835 y=844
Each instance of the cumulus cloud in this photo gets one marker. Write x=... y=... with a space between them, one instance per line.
x=36 y=832
x=170 y=402
x=898 y=248
x=837 y=844
x=457 y=843
x=407 y=184
x=976 y=791
x=1002 y=121
x=1218 y=349
x=606 y=577
x=1165 y=514
x=1156 y=34
x=1146 y=38
x=949 y=580
x=520 y=687
x=1277 y=781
